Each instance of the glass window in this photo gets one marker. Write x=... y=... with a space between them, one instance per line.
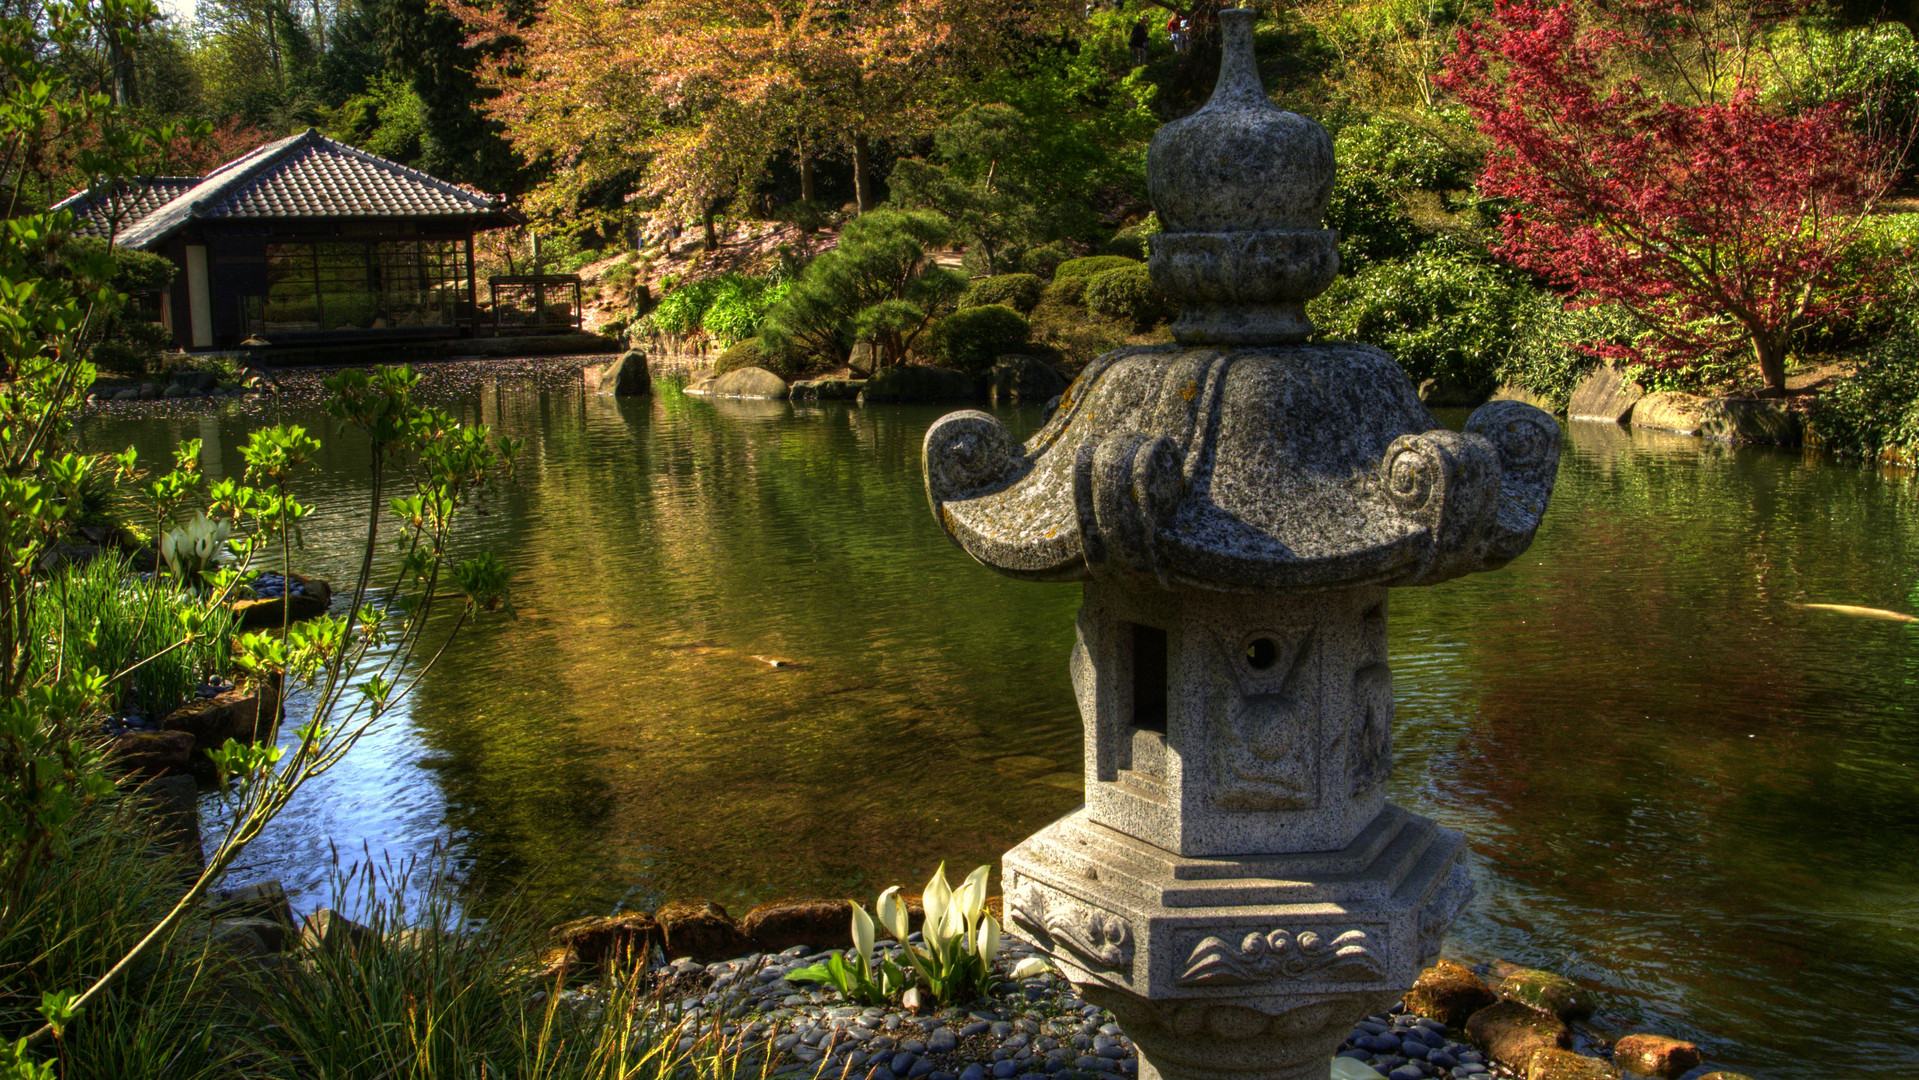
x=361 y=285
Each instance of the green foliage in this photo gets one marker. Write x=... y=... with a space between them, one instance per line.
x=1044 y=260
x=387 y=118
x=1017 y=291
x=878 y=285
x=1385 y=164
x=861 y=981
x=1873 y=68
x=1127 y=294
x=727 y=308
x=100 y=614
x=1875 y=407
x=1090 y=265
x=962 y=938
x=435 y=995
x=1070 y=278
x=1441 y=314
x=971 y=339
x=1550 y=351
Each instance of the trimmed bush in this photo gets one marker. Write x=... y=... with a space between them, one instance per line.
x=971 y=339
x=1092 y=264
x=1127 y=294
x=1045 y=259
x=1443 y=315
x=1069 y=281
x=1017 y=291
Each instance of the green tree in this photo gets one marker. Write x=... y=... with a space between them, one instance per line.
x=877 y=286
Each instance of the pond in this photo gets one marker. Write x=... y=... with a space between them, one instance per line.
x=1682 y=787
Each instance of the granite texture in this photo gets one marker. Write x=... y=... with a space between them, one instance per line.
x=1238 y=486
x=1240 y=187
x=1236 y=889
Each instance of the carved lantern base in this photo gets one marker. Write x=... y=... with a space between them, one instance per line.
x=1238 y=966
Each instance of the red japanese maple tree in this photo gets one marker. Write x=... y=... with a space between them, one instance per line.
x=1716 y=224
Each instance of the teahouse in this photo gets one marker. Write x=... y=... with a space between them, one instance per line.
x=1237 y=889
x=304 y=241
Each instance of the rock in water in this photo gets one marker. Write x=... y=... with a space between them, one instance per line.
x=1672 y=411
x=1027 y=380
x=624 y=377
x=1553 y=1064
x=1547 y=992
x=1449 y=993
x=701 y=929
x=919 y=382
x=1657 y=1055
x=1513 y=1033
x=593 y=942
x=327 y=930
x=814 y=923
x=152 y=753
x=243 y=716
x=750 y=382
x=1604 y=394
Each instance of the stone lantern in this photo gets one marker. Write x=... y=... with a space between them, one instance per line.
x=1236 y=889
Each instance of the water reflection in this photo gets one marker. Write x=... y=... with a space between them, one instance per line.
x=1681 y=787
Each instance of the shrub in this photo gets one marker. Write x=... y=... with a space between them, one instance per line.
x=1017 y=291
x=1092 y=264
x=971 y=339
x=1045 y=259
x=1546 y=356
x=1874 y=408
x=1443 y=315
x=1127 y=294
x=877 y=286
x=1069 y=281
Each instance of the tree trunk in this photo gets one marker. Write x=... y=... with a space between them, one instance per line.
x=806 y=175
x=862 y=173
x=712 y=234
x=1771 y=354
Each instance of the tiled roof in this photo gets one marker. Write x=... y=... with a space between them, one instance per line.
x=308 y=176
x=137 y=198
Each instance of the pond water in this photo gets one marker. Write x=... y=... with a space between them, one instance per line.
x=1682 y=787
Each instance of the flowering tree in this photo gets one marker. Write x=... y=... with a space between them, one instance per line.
x=1716 y=223
x=687 y=102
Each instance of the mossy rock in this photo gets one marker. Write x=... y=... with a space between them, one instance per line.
x=919 y=382
x=1547 y=992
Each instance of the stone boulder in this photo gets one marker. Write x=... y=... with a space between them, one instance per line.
x=309 y=598
x=174 y=803
x=750 y=382
x=1447 y=394
x=152 y=753
x=1449 y=993
x=250 y=936
x=702 y=386
x=624 y=377
x=816 y=924
x=919 y=382
x=1721 y=1074
x=827 y=389
x=327 y=930
x=1670 y=411
x=585 y=946
x=1026 y=380
x=863 y=360
x=1512 y=391
x=1604 y=394
x=1657 y=1055
x=1512 y=1033
x=1547 y=992
x=701 y=930
x=260 y=900
x=1751 y=420
x=246 y=716
x=1553 y=1064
